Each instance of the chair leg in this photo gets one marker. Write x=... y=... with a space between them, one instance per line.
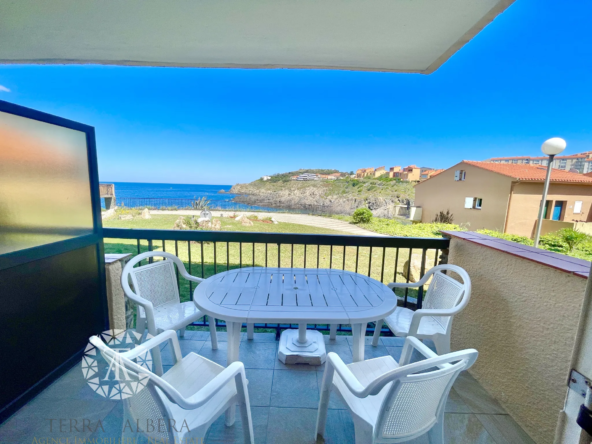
x=322 y=411
x=140 y=324
x=213 y=333
x=442 y=344
x=182 y=332
x=333 y=331
x=377 y=329
x=436 y=433
x=363 y=432
x=230 y=415
x=245 y=409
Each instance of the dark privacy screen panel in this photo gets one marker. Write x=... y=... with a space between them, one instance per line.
x=44 y=183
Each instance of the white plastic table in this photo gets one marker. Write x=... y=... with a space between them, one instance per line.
x=295 y=296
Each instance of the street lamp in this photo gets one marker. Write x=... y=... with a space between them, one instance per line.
x=551 y=148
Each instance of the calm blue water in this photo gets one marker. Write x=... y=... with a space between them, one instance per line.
x=161 y=195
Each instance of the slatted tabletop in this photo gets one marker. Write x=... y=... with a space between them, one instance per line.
x=294 y=295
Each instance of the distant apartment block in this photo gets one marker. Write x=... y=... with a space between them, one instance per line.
x=393 y=170
x=582 y=162
x=363 y=172
x=308 y=176
x=379 y=171
x=411 y=173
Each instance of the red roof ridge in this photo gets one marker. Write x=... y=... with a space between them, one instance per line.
x=530 y=173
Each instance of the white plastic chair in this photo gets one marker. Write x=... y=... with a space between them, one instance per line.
x=444 y=298
x=191 y=395
x=394 y=402
x=157 y=296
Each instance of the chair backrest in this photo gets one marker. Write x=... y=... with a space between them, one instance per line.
x=156 y=282
x=418 y=396
x=445 y=292
x=146 y=410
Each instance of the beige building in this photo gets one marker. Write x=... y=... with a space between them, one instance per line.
x=379 y=171
x=504 y=197
x=410 y=173
x=363 y=172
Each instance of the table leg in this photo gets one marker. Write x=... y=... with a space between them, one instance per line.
x=302 y=333
x=358 y=334
x=234 y=330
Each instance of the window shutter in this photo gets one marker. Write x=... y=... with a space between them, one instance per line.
x=578 y=207
x=468 y=202
x=456 y=174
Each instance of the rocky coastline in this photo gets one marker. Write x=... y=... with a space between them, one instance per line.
x=316 y=200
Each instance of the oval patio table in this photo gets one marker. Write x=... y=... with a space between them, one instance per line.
x=295 y=296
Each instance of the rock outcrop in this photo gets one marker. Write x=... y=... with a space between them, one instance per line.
x=316 y=198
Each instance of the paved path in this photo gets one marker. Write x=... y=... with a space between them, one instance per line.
x=302 y=219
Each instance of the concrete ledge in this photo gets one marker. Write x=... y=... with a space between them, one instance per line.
x=561 y=262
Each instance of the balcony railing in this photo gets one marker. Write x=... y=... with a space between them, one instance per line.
x=206 y=253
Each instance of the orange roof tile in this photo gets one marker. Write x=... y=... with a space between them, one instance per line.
x=531 y=173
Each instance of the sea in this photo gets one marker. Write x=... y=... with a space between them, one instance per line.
x=179 y=196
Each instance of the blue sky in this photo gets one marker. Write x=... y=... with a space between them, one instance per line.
x=526 y=77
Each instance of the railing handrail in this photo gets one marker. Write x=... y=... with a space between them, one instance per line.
x=279 y=238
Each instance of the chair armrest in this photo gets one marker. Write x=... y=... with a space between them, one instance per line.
x=168 y=335
x=412 y=343
x=193 y=278
x=419 y=283
x=345 y=373
x=199 y=398
x=418 y=314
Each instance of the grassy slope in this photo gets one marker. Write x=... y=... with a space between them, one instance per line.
x=233 y=255
x=550 y=242
x=361 y=188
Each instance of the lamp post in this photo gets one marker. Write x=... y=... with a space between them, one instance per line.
x=551 y=148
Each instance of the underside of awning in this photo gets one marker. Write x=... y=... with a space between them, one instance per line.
x=415 y=36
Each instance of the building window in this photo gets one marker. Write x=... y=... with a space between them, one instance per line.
x=578 y=207
x=473 y=203
x=460 y=175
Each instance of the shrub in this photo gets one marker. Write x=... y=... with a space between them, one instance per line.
x=510 y=237
x=362 y=216
x=572 y=238
x=444 y=218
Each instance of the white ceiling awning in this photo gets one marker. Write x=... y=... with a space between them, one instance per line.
x=415 y=36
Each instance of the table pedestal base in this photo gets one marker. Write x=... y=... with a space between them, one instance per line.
x=292 y=351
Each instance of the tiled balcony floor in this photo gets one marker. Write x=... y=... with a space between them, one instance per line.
x=284 y=401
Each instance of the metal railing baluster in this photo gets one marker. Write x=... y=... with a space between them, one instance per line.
x=370 y=264
x=227 y=256
x=304 y=255
x=421 y=273
x=331 y=256
x=177 y=268
x=190 y=283
x=382 y=266
x=215 y=260
x=202 y=260
x=408 y=272
x=318 y=255
x=357 y=257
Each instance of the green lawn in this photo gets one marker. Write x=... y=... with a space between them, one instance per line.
x=199 y=259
